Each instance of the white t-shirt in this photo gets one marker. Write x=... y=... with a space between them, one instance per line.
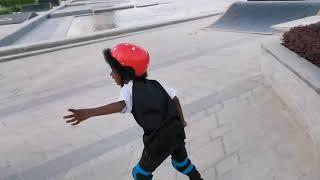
x=126 y=96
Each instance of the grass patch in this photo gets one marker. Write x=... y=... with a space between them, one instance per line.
x=9 y=6
x=5 y=10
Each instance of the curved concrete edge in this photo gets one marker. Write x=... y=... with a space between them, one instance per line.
x=57 y=48
x=247 y=16
x=114 y=8
x=296 y=81
x=82 y=3
x=70 y=13
x=89 y=10
x=28 y=26
x=23 y=50
x=237 y=31
x=147 y=5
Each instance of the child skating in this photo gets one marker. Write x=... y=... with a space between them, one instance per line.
x=155 y=108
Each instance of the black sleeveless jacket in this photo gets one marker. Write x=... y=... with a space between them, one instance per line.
x=156 y=113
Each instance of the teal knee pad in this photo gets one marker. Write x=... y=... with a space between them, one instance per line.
x=139 y=174
x=185 y=167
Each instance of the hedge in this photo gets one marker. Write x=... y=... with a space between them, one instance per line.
x=10 y=3
x=305 y=41
x=5 y=10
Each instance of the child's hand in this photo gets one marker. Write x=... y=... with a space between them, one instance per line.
x=184 y=123
x=77 y=116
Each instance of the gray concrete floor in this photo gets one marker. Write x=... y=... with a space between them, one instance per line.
x=238 y=127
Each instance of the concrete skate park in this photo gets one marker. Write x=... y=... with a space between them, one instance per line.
x=250 y=103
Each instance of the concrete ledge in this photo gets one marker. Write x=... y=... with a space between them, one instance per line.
x=36 y=7
x=302 y=68
x=283 y=27
x=113 y=8
x=146 y=5
x=70 y=13
x=53 y=2
x=23 y=50
x=297 y=82
x=26 y=27
x=80 y=4
x=89 y=10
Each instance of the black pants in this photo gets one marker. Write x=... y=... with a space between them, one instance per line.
x=149 y=160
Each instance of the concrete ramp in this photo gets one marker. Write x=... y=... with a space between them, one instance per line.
x=16 y=18
x=258 y=17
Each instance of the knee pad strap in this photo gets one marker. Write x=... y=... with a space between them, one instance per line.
x=185 y=167
x=139 y=174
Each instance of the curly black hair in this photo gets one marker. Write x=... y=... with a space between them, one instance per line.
x=126 y=73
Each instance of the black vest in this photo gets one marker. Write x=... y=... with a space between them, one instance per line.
x=156 y=113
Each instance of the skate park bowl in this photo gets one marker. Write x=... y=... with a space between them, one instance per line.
x=258 y=17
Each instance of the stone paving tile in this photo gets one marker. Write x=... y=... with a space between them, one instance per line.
x=113 y=164
x=220 y=132
x=245 y=96
x=209 y=173
x=231 y=142
x=165 y=171
x=261 y=94
x=195 y=144
x=202 y=126
x=208 y=154
x=270 y=144
x=227 y=176
x=233 y=108
x=227 y=164
x=218 y=107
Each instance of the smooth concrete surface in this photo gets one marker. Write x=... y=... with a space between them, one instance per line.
x=238 y=126
x=257 y=17
x=23 y=50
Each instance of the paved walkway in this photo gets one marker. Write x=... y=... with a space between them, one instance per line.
x=238 y=127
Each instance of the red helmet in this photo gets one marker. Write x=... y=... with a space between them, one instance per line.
x=132 y=55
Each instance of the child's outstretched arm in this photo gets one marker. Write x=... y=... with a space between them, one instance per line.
x=179 y=110
x=79 y=115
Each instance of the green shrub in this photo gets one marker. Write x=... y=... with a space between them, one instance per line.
x=14 y=5
x=11 y=3
x=4 y=10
